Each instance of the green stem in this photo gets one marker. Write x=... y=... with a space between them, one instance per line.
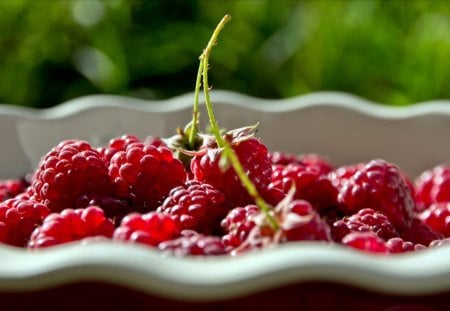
x=195 y=113
x=209 y=106
x=221 y=142
x=203 y=59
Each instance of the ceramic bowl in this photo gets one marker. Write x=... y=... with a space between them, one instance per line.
x=302 y=276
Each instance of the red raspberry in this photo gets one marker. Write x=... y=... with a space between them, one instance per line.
x=272 y=196
x=364 y=220
x=283 y=158
x=316 y=162
x=398 y=245
x=433 y=186
x=312 y=161
x=420 y=233
x=192 y=243
x=378 y=185
x=122 y=142
x=300 y=222
x=18 y=219
x=437 y=217
x=114 y=209
x=310 y=185
x=252 y=154
x=238 y=224
x=144 y=175
x=9 y=188
x=150 y=229
x=117 y=144
x=71 y=170
x=71 y=225
x=197 y=206
x=297 y=221
x=365 y=241
x=342 y=174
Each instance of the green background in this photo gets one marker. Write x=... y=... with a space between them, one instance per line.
x=393 y=52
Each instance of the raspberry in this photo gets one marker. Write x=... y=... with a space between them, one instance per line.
x=419 y=233
x=122 y=142
x=398 y=245
x=9 y=188
x=272 y=195
x=378 y=185
x=192 y=243
x=365 y=241
x=150 y=229
x=283 y=158
x=252 y=154
x=437 y=217
x=144 y=175
x=71 y=225
x=316 y=163
x=342 y=174
x=297 y=221
x=71 y=170
x=301 y=222
x=238 y=224
x=114 y=209
x=196 y=205
x=18 y=218
x=364 y=220
x=433 y=186
x=310 y=185
x=115 y=145
x=312 y=161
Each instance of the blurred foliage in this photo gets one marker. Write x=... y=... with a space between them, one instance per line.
x=395 y=52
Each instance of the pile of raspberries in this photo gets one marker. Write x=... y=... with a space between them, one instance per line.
x=136 y=190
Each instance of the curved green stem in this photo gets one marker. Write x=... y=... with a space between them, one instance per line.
x=221 y=142
x=195 y=113
x=204 y=59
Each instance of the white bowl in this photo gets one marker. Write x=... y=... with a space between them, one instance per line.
x=344 y=128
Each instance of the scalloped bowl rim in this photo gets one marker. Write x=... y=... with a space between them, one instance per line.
x=184 y=101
